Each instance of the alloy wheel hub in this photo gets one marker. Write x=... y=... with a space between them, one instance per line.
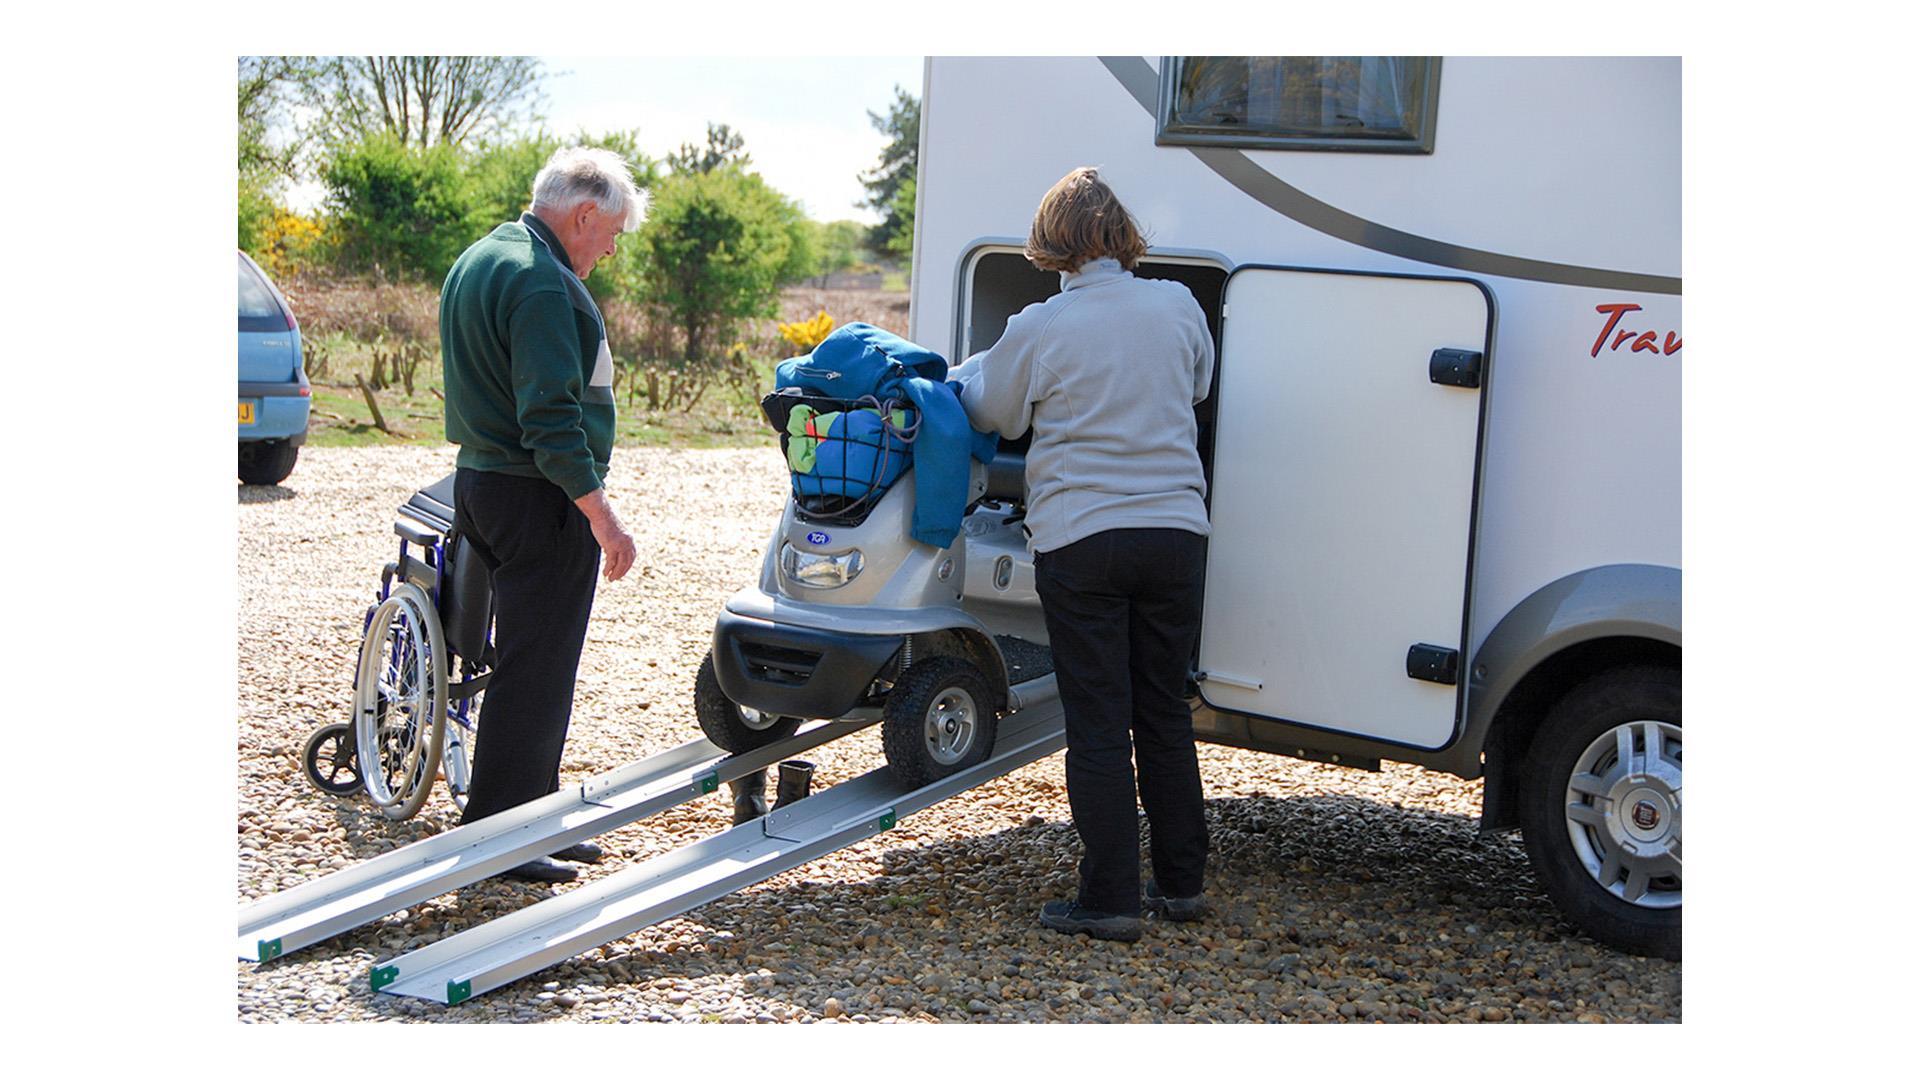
x=950 y=726
x=1623 y=812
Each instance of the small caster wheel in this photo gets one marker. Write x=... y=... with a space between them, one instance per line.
x=330 y=760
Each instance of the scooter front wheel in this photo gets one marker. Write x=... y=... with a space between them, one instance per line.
x=734 y=728
x=939 y=719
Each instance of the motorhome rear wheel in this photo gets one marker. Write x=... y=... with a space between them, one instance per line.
x=1602 y=808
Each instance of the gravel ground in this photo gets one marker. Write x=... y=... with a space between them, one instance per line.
x=1340 y=895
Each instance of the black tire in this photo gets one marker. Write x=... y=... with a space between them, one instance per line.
x=267 y=462
x=908 y=724
x=330 y=761
x=1572 y=837
x=727 y=725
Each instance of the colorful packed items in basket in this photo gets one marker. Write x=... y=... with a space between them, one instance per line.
x=855 y=454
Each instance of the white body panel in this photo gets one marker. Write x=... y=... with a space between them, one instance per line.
x=1569 y=160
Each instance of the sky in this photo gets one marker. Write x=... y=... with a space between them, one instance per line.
x=804 y=118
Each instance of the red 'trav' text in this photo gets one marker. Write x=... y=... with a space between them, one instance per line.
x=1643 y=341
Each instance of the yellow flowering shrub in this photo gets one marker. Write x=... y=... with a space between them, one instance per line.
x=291 y=242
x=803 y=336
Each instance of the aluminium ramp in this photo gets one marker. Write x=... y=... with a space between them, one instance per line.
x=498 y=952
x=316 y=910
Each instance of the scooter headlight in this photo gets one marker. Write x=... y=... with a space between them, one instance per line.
x=819 y=571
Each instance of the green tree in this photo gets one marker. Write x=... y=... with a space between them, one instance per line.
x=267 y=151
x=900 y=241
x=268 y=86
x=899 y=165
x=422 y=101
x=802 y=259
x=840 y=245
x=397 y=208
x=711 y=254
x=725 y=147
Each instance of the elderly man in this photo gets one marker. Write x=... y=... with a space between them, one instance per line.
x=529 y=389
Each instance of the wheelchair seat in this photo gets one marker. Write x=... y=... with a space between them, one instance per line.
x=433 y=505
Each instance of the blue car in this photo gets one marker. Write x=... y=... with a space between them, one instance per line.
x=275 y=396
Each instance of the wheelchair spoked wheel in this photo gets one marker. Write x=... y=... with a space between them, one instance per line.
x=400 y=702
x=329 y=759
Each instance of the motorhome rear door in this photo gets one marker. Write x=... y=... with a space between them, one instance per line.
x=1346 y=472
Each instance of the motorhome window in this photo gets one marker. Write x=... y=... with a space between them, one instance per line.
x=1363 y=103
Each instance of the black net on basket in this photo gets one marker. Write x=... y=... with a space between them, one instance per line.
x=842 y=455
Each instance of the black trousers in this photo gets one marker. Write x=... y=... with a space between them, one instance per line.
x=543 y=560
x=1123 y=612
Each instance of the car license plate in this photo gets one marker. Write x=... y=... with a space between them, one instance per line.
x=246 y=412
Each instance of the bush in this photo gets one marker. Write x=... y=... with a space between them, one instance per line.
x=397 y=209
x=711 y=254
x=366 y=310
x=256 y=214
x=500 y=179
x=802 y=336
x=292 y=243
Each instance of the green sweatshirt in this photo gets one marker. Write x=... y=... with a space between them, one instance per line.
x=529 y=380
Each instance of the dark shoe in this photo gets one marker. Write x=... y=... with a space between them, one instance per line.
x=542 y=869
x=585 y=851
x=1070 y=918
x=1175 y=908
x=749 y=797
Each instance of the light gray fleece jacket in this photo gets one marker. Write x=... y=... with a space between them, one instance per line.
x=1106 y=373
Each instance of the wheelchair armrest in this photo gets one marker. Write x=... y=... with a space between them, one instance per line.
x=416 y=533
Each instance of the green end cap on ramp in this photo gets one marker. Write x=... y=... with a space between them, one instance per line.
x=383 y=976
x=458 y=992
x=709 y=783
x=269 y=950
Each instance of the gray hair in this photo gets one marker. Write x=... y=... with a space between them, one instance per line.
x=577 y=174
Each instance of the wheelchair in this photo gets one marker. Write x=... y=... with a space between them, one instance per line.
x=425 y=656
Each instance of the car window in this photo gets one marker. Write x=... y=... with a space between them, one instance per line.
x=259 y=311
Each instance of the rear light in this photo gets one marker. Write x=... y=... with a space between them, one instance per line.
x=291 y=325
x=306 y=391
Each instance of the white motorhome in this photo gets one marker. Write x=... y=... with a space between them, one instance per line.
x=1444 y=442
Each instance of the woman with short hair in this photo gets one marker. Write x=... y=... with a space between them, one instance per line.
x=1106 y=375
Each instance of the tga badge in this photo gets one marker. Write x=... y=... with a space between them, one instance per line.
x=817 y=538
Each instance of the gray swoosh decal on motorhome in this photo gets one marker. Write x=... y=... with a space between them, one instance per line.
x=1138 y=78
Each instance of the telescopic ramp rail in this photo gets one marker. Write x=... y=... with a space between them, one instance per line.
x=316 y=910
x=498 y=952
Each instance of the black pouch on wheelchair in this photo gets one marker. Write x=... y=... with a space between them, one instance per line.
x=466 y=601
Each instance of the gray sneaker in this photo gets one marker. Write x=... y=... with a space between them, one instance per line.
x=1175 y=908
x=1070 y=918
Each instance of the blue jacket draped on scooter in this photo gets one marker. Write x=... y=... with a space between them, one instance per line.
x=858 y=359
